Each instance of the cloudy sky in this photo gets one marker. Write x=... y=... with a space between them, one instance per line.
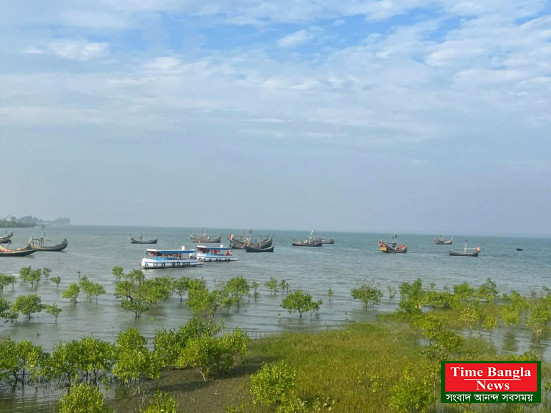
x=392 y=116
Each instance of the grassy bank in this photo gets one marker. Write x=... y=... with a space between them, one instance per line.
x=348 y=370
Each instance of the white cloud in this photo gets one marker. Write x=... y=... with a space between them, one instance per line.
x=298 y=38
x=163 y=64
x=72 y=49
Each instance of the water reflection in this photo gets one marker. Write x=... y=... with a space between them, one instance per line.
x=510 y=342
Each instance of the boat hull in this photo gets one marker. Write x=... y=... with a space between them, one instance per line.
x=149 y=263
x=251 y=248
x=205 y=239
x=137 y=241
x=390 y=249
x=52 y=248
x=463 y=254
x=307 y=244
x=217 y=259
x=21 y=252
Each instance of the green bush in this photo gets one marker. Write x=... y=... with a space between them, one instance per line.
x=83 y=398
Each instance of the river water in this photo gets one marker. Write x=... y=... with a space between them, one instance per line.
x=94 y=251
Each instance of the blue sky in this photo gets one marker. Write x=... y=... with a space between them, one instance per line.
x=391 y=116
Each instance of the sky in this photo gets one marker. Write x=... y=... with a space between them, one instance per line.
x=429 y=116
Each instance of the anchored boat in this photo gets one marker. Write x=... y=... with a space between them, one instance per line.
x=19 y=252
x=142 y=241
x=158 y=259
x=467 y=252
x=215 y=254
x=393 y=247
x=39 y=245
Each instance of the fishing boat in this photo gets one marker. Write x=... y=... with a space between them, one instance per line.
x=6 y=239
x=258 y=248
x=19 y=252
x=142 y=241
x=215 y=254
x=159 y=259
x=309 y=242
x=240 y=241
x=244 y=240
x=39 y=245
x=204 y=238
x=393 y=246
x=467 y=252
x=441 y=241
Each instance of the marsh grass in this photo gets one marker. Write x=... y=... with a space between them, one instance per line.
x=349 y=370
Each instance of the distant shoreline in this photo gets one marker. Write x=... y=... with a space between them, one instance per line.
x=9 y=224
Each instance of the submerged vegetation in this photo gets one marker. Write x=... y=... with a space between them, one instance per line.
x=389 y=365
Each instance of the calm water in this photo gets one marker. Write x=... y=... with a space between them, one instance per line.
x=94 y=251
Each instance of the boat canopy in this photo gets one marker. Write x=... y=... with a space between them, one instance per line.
x=212 y=248
x=166 y=252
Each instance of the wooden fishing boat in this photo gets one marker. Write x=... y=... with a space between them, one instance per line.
x=142 y=241
x=6 y=239
x=160 y=259
x=310 y=242
x=240 y=241
x=467 y=252
x=238 y=244
x=20 y=252
x=244 y=240
x=204 y=238
x=393 y=246
x=215 y=254
x=39 y=245
x=258 y=248
x=441 y=241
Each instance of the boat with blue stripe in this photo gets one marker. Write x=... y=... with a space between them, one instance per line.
x=215 y=254
x=159 y=259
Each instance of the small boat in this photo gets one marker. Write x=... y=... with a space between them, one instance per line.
x=467 y=252
x=6 y=239
x=441 y=241
x=258 y=248
x=204 y=238
x=215 y=254
x=159 y=259
x=520 y=249
x=39 y=245
x=20 y=252
x=393 y=246
x=142 y=241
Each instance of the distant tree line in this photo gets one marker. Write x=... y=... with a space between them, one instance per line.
x=29 y=221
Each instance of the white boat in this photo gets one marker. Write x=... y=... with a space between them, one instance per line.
x=215 y=254
x=155 y=258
